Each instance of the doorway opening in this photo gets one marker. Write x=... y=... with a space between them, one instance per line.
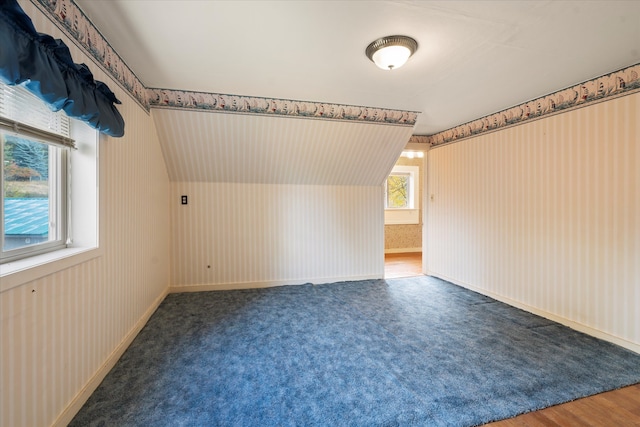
x=403 y=208
x=398 y=265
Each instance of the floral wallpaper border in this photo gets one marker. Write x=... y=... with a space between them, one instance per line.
x=165 y=98
x=618 y=83
x=420 y=139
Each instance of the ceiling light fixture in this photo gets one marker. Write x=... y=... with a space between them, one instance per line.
x=412 y=154
x=391 y=52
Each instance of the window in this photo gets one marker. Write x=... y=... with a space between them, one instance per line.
x=34 y=150
x=401 y=196
x=398 y=194
x=34 y=202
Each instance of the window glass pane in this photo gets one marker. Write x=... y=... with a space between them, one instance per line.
x=28 y=199
x=398 y=191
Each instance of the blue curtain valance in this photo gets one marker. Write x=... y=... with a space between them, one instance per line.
x=45 y=65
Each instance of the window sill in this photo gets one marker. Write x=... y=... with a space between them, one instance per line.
x=23 y=271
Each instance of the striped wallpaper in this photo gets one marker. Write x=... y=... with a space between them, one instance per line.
x=234 y=235
x=58 y=331
x=546 y=215
x=202 y=146
x=275 y=200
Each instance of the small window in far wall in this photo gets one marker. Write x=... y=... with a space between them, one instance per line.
x=398 y=192
x=401 y=196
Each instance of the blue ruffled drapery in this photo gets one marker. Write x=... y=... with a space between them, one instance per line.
x=45 y=65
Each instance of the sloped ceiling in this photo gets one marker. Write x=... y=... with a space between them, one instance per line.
x=474 y=58
x=201 y=146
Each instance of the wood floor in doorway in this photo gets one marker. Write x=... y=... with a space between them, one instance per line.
x=402 y=265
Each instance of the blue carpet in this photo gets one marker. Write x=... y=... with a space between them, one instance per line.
x=416 y=351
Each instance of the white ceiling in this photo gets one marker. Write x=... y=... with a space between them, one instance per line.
x=474 y=57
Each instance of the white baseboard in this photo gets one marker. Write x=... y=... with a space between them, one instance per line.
x=266 y=284
x=402 y=250
x=83 y=395
x=629 y=345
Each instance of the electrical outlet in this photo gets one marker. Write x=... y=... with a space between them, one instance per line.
x=184 y=200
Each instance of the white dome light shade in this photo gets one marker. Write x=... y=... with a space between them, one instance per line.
x=391 y=52
x=391 y=57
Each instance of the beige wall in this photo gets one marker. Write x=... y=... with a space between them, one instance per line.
x=234 y=235
x=546 y=216
x=275 y=200
x=58 y=330
x=406 y=237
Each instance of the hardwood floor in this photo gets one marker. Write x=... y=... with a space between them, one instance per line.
x=620 y=408
x=614 y=408
x=402 y=265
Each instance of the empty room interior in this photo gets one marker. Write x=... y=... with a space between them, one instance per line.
x=199 y=198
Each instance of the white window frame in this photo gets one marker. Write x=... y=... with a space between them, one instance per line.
x=58 y=170
x=81 y=217
x=24 y=115
x=411 y=214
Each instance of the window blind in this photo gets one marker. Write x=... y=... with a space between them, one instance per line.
x=22 y=111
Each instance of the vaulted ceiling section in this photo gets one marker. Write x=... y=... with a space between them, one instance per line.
x=203 y=146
